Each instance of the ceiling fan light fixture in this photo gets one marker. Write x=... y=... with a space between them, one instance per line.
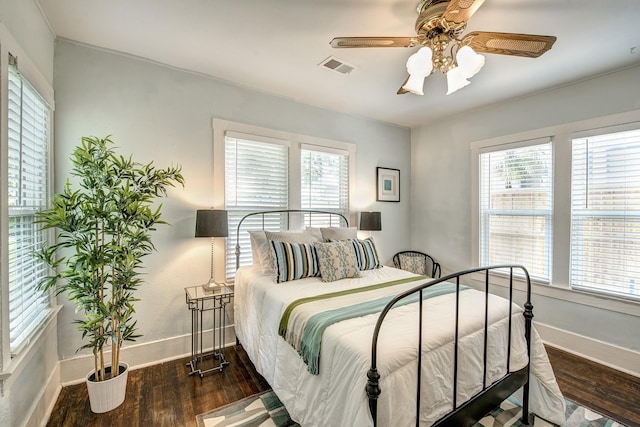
x=455 y=80
x=419 y=66
x=441 y=25
x=414 y=84
x=469 y=61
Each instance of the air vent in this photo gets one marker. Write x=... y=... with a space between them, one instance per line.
x=337 y=65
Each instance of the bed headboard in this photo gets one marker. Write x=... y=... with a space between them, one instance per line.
x=335 y=220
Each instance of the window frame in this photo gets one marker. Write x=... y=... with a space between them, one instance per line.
x=614 y=214
x=546 y=214
x=296 y=143
x=559 y=287
x=11 y=363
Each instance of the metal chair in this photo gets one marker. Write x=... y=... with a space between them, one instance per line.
x=417 y=262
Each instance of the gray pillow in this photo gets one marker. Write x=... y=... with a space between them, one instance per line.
x=339 y=233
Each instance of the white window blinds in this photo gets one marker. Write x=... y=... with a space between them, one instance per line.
x=256 y=179
x=516 y=208
x=28 y=166
x=324 y=184
x=605 y=214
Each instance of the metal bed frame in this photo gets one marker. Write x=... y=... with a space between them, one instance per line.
x=288 y=213
x=467 y=413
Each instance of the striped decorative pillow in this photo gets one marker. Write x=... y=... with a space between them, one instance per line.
x=294 y=260
x=366 y=253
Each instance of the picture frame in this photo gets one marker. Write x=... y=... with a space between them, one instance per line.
x=388 y=184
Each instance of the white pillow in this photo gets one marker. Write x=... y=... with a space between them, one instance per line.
x=295 y=236
x=339 y=233
x=315 y=233
x=259 y=246
x=261 y=250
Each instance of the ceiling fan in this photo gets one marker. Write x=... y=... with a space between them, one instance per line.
x=439 y=30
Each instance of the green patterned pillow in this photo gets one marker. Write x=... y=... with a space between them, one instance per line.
x=414 y=264
x=337 y=260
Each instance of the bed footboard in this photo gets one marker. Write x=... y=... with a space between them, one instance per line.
x=469 y=412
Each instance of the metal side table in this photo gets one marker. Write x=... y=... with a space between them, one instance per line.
x=200 y=302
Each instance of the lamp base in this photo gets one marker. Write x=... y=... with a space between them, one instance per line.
x=213 y=287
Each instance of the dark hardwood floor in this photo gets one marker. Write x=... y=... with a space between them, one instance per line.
x=602 y=389
x=164 y=394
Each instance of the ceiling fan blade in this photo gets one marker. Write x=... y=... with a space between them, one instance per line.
x=527 y=45
x=458 y=12
x=339 y=42
x=402 y=90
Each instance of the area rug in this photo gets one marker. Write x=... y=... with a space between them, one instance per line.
x=509 y=413
x=265 y=410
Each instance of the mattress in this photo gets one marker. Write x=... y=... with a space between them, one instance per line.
x=336 y=396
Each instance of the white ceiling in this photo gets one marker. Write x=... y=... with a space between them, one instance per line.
x=275 y=46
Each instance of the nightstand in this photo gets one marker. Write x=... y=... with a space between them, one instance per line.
x=200 y=302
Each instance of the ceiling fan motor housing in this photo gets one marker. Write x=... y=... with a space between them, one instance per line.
x=430 y=23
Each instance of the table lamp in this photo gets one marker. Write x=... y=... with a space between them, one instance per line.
x=370 y=221
x=212 y=223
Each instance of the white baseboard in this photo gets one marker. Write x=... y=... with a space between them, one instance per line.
x=74 y=370
x=607 y=354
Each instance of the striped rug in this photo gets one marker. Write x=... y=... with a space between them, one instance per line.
x=265 y=410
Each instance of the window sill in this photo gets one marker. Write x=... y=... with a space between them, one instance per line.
x=565 y=293
x=18 y=362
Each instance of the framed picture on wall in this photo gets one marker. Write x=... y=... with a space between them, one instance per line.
x=388 y=185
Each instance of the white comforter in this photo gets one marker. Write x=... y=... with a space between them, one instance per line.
x=336 y=396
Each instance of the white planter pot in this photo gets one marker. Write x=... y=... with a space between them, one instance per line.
x=107 y=395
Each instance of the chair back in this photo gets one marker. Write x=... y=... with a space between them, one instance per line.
x=417 y=262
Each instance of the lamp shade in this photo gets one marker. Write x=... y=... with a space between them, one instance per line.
x=211 y=223
x=370 y=221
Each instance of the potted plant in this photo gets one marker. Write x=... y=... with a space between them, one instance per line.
x=103 y=230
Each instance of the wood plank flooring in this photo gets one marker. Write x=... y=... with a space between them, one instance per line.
x=164 y=394
x=605 y=390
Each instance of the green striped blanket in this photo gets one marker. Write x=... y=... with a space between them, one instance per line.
x=305 y=319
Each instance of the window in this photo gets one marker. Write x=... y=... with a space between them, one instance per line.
x=256 y=179
x=27 y=192
x=605 y=214
x=516 y=208
x=275 y=171
x=324 y=182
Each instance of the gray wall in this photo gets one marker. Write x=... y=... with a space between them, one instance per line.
x=26 y=24
x=163 y=114
x=441 y=213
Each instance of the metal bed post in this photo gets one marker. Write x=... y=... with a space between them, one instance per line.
x=455 y=346
x=486 y=329
x=528 y=317
x=419 y=360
